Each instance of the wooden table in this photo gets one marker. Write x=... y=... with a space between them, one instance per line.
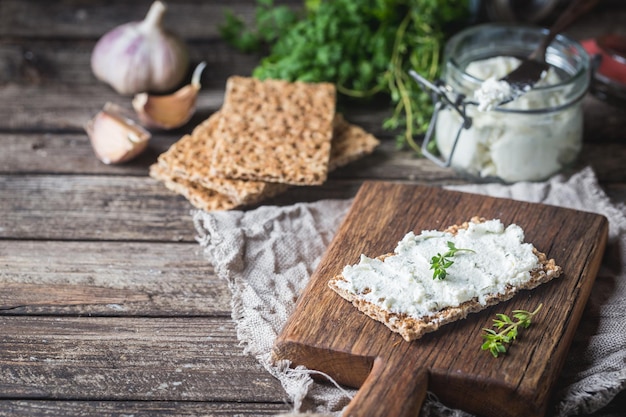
x=107 y=306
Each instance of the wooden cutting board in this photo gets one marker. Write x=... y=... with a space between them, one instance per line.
x=328 y=334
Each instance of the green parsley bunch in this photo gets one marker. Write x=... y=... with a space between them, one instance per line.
x=364 y=47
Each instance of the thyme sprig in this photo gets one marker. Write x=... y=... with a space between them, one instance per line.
x=495 y=341
x=440 y=263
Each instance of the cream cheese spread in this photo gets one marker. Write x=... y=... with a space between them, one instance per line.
x=538 y=139
x=491 y=93
x=403 y=283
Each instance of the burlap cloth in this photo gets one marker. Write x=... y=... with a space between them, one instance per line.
x=267 y=255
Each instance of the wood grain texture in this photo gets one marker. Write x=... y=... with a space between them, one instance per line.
x=46 y=61
x=80 y=19
x=68 y=107
x=92 y=207
x=71 y=153
x=88 y=19
x=329 y=334
x=154 y=359
x=30 y=408
x=87 y=330
x=109 y=278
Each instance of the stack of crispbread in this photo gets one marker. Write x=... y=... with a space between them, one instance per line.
x=267 y=136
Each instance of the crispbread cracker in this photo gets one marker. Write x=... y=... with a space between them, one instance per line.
x=275 y=131
x=190 y=159
x=202 y=197
x=294 y=125
x=349 y=143
x=184 y=168
x=412 y=328
x=199 y=196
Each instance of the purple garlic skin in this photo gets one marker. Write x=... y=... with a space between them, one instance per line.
x=141 y=56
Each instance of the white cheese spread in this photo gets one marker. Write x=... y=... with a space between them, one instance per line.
x=513 y=146
x=403 y=283
x=491 y=93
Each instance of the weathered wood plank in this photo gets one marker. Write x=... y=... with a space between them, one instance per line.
x=26 y=408
x=29 y=408
x=72 y=153
x=388 y=163
x=79 y=238
x=83 y=19
x=88 y=19
x=603 y=122
x=45 y=61
x=77 y=207
x=57 y=153
x=109 y=278
x=92 y=207
x=69 y=107
x=190 y=359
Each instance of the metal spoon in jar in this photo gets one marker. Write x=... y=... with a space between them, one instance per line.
x=529 y=72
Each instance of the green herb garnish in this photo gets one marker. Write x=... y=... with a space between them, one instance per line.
x=440 y=263
x=364 y=47
x=494 y=341
x=270 y=23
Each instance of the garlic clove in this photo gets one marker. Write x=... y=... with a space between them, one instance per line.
x=169 y=111
x=114 y=137
x=141 y=56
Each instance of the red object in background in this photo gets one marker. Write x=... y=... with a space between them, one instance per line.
x=612 y=49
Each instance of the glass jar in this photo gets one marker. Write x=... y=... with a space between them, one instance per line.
x=527 y=139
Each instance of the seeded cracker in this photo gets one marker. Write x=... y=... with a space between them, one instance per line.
x=190 y=158
x=200 y=197
x=349 y=143
x=275 y=131
x=184 y=167
x=411 y=328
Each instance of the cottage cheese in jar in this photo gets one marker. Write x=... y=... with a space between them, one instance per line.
x=527 y=139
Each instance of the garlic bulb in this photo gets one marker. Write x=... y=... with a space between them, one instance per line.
x=141 y=56
x=169 y=111
x=116 y=138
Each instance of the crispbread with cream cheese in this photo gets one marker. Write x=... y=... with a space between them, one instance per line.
x=411 y=327
x=275 y=131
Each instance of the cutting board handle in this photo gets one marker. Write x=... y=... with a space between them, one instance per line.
x=392 y=389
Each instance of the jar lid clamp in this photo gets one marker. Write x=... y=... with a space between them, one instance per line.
x=441 y=94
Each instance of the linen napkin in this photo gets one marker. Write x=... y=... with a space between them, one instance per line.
x=268 y=254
